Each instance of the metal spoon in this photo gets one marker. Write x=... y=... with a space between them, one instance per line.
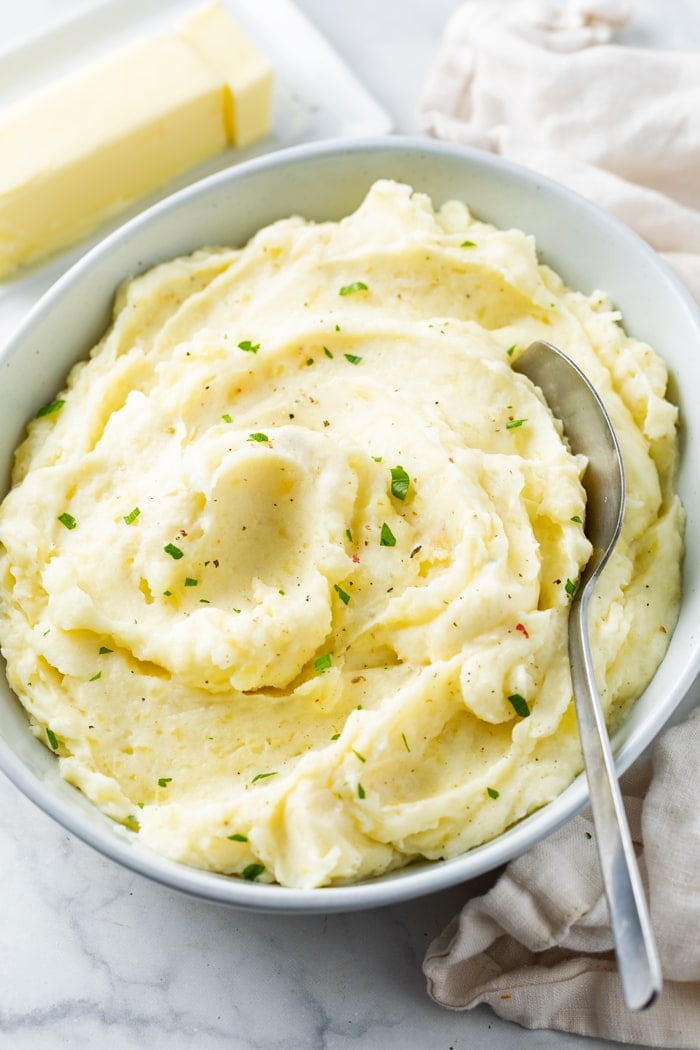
x=589 y=431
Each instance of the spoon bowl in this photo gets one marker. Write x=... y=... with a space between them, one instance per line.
x=589 y=432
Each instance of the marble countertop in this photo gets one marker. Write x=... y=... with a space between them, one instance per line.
x=94 y=956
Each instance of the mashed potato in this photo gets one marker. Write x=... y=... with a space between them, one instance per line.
x=286 y=570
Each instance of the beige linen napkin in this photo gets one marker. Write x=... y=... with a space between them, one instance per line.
x=537 y=947
x=543 y=84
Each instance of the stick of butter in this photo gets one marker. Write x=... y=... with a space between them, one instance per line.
x=77 y=153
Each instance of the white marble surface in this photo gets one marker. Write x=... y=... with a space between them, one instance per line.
x=93 y=956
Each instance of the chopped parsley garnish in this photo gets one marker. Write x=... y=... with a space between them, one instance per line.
x=250 y=348
x=360 y=790
x=253 y=871
x=468 y=244
x=164 y=781
x=227 y=418
x=492 y=793
x=352 y=358
x=238 y=837
x=263 y=776
x=327 y=352
x=348 y=533
x=173 y=551
x=48 y=410
x=343 y=595
x=309 y=360
x=405 y=741
x=190 y=581
x=52 y=739
x=387 y=538
x=358 y=755
x=322 y=663
x=103 y=649
x=570 y=588
x=68 y=520
x=577 y=519
x=168 y=594
x=588 y=834
x=520 y=704
x=131 y=517
x=95 y=677
x=258 y=437
x=400 y=482
x=511 y=350
x=356 y=286
x=513 y=423
x=336 y=736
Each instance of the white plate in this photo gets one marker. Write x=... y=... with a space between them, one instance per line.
x=316 y=97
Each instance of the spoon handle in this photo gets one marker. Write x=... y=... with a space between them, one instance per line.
x=635 y=947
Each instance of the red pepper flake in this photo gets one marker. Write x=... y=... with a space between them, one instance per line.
x=356 y=559
x=523 y=629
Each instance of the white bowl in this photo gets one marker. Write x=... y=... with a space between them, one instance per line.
x=327 y=181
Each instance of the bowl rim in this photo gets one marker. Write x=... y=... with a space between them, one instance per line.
x=112 y=840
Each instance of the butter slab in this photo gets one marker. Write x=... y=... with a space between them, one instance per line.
x=79 y=152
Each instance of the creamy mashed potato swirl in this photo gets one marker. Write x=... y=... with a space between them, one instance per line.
x=286 y=569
